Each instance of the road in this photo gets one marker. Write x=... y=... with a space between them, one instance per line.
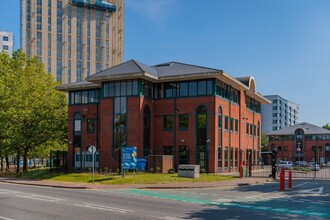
x=307 y=200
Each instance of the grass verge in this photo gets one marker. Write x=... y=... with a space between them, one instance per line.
x=130 y=178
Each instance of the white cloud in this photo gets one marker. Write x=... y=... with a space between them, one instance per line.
x=155 y=10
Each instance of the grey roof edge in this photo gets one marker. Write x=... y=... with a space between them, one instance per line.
x=146 y=68
x=258 y=96
x=81 y=85
x=187 y=64
x=307 y=127
x=100 y=79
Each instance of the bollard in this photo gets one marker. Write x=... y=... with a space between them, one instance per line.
x=282 y=179
x=241 y=170
x=290 y=180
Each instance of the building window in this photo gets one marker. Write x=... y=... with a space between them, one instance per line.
x=119 y=124
x=226 y=122
x=146 y=131
x=231 y=161
x=91 y=125
x=5 y=38
x=220 y=118
x=168 y=122
x=219 y=157
x=201 y=136
x=183 y=121
x=236 y=157
x=236 y=125
x=226 y=157
x=5 y=47
x=167 y=150
x=247 y=128
x=231 y=124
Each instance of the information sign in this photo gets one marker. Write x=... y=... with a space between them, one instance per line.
x=128 y=158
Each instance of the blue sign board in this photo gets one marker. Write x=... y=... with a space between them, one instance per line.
x=128 y=158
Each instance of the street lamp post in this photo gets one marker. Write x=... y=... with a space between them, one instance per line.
x=207 y=156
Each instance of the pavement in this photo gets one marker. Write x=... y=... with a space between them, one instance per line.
x=68 y=185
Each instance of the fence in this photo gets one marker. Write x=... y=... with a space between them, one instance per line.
x=58 y=161
x=297 y=172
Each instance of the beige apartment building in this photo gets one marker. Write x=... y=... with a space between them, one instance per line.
x=73 y=38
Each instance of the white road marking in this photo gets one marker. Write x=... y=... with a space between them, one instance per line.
x=316 y=213
x=4 y=191
x=170 y=218
x=318 y=190
x=105 y=208
x=1 y=217
x=300 y=185
x=41 y=198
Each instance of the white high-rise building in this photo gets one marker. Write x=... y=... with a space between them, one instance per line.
x=281 y=113
x=6 y=41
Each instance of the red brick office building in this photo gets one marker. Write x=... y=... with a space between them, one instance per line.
x=298 y=143
x=199 y=115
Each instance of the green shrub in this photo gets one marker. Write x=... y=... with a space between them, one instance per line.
x=202 y=170
x=171 y=171
x=157 y=169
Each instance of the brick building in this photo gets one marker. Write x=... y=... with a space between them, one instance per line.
x=197 y=114
x=301 y=142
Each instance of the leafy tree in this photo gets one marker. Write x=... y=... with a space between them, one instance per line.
x=264 y=142
x=33 y=112
x=326 y=126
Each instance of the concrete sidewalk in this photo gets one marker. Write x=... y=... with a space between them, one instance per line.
x=69 y=185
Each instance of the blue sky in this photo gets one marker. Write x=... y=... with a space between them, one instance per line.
x=283 y=44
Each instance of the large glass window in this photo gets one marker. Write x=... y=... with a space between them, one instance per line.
x=77 y=130
x=120 y=88
x=227 y=92
x=226 y=122
x=202 y=89
x=183 y=121
x=201 y=137
x=146 y=131
x=86 y=96
x=119 y=124
x=168 y=122
x=219 y=157
x=226 y=157
x=183 y=89
x=219 y=137
x=91 y=125
x=192 y=88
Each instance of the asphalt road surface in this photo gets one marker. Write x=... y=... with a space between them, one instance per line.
x=306 y=200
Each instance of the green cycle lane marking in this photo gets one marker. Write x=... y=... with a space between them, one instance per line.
x=230 y=204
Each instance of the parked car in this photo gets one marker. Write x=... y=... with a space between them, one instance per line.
x=301 y=163
x=285 y=164
x=314 y=166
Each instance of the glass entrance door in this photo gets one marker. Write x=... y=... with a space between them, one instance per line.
x=183 y=154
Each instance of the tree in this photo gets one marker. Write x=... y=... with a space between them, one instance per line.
x=264 y=143
x=33 y=112
x=326 y=126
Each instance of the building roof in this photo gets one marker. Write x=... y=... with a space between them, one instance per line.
x=165 y=72
x=170 y=69
x=308 y=129
x=160 y=72
x=81 y=85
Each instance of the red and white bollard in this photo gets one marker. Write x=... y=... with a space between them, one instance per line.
x=282 y=179
x=290 y=180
